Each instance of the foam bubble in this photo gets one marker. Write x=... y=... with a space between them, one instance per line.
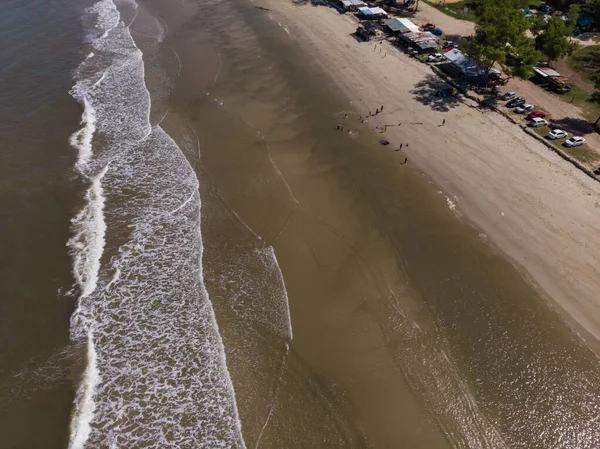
x=157 y=376
x=82 y=138
x=84 y=400
x=87 y=243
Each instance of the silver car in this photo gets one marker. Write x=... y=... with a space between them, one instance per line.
x=574 y=141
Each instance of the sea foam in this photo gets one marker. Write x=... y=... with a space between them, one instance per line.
x=156 y=373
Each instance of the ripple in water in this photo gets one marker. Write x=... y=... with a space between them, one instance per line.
x=156 y=374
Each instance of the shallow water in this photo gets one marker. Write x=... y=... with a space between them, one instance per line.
x=241 y=274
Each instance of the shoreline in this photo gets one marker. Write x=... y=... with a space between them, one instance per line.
x=530 y=203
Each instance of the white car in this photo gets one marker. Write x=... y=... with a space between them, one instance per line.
x=524 y=108
x=574 y=141
x=537 y=121
x=436 y=57
x=557 y=134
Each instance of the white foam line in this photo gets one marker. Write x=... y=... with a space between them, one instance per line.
x=238 y=217
x=276 y=392
x=165 y=29
x=213 y=321
x=178 y=60
x=82 y=138
x=287 y=301
x=219 y=69
x=284 y=226
x=277 y=169
x=87 y=244
x=183 y=204
x=100 y=80
x=84 y=402
x=114 y=279
x=162 y=118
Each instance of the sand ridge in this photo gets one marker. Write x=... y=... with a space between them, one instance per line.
x=540 y=210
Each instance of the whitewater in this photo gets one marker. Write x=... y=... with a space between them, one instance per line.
x=156 y=374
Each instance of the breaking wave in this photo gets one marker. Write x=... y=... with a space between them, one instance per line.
x=156 y=374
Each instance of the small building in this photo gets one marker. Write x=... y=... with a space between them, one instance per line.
x=351 y=5
x=400 y=25
x=372 y=13
x=422 y=41
x=549 y=76
x=470 y=72
x=370 y=30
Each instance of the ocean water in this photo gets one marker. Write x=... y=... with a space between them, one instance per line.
x=193 y=256
x=156 y=374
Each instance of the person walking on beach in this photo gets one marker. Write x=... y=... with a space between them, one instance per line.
x=443 y=122
x=381 y=108
x=401 y=146
x=405 y=161
x=338 y=127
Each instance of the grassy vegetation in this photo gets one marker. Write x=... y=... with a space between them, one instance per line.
x=583 y=154
x=455 y=9
x=586 y=60
x=581 y=98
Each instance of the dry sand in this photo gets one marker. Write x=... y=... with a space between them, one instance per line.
x=540 y=210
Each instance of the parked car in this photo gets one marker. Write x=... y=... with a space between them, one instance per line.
x=428 y=27
x=524 y=108
x=536 y=121
x=574 y=141
x=515 y=102
x=449 y=45
x=557 y=134
x=436 y=57
x=437 y=31
x=508 y=96
x=534 y=114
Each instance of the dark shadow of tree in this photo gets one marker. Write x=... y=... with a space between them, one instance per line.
x=575 y=126
x=431 y=92
x=453 y=37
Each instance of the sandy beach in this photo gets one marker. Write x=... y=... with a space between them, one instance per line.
x=538 y=209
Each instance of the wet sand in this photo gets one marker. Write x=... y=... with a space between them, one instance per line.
x=407 y=328
x=538 y=209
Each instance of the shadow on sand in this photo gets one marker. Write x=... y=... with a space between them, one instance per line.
x=575 y=126
x=432 y=92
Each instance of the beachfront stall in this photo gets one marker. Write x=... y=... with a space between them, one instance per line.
x=421 y=41
x=396 y=26
x=550 y=77
x=469 y=72
x=372 y=13
x=351 y=5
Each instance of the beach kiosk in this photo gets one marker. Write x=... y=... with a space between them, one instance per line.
x=372 y=13
x=469 y=72
x=351 y=5
x=398 y=26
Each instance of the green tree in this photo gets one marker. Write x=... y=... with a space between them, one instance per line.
x=551 y=38
x=501 y=29
x=596 y=98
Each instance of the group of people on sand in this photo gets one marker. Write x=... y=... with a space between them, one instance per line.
x=382 y=129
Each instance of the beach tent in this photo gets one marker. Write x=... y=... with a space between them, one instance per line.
x=372 y=13
x=352 y=5
x=423 y=41
x=397 y=25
